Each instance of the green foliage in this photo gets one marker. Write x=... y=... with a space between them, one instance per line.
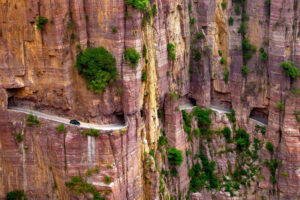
x=220 y=53
x=19 y=137
x=187 y=119
x=290 y=70
x=272 y=165
x=269 y=147
x=16 y=195
x=200 y=35
x=226 y=75
x=154 y=10
x=262 y=129
x=41 y=22
x=190 y=7
x=263 y=55
x=223 y=61
x=295 y=91
x=61 y=127
x=98 y=67
x=174 y=172
x=32 y=120
x=208 y=168
x=171 y=51
x=197 y=55
x=114 y=30
x=162 y=141
x=144 y=51
x=248 y=49
x=152 y=153
x=142 y=5
x=80 y=186
x=132 y=56
x=242 y=140
x=244 y=70
x=91 y=171
x=296 y=113
x=243 y=28
x=231 y=116
x=192 y=22
x=204 y=176
x=245 y=17
x=175 y=156
x=173 y=95
x=197 y=178
x=230 y=21
x=280 y=105
x=144 y=76
x=107 y=179
x=227 y=134
x=91 y=132
x=203 y=119
x=197 y=132
x=224 y=4
x=237 y=10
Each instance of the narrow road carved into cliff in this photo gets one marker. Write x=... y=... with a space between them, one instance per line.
x=108 y=127
x=218 y=109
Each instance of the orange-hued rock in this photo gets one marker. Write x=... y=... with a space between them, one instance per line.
x=37 y=72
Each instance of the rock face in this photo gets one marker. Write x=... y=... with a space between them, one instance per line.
x=37 y=72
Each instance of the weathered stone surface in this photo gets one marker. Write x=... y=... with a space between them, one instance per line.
x=37 y=71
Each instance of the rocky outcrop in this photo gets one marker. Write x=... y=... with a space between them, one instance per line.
x=37 y=71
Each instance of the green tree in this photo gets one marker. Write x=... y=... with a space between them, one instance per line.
x=290 y=70
x=98 y=67
x=132 y=56
x=41 y=22
x=175 y=156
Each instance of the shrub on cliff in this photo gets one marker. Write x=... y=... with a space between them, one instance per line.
x=203 y=119
x=60 y=127
x=244 y=70
x=132 y=56
x=32 y=120
x=41 y=22
x=91 y=132
x=142 y=5
x=98 y=67
x=290 y=70
x=175 y=156
x=171 y=51
x=226 y=75
x=16 y=195
x=248 y=49
x=227 y=134
x=269 y=147
x=242 y=140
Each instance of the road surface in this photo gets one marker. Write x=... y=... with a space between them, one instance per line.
x=186 y=106
x=259 y=121
x=108 y=127
x=218 y=109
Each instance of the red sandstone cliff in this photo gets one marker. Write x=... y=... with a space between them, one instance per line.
x=37 y=71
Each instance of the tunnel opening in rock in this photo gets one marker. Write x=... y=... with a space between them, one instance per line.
x=187 y=103
x=192 y=101
x=12 y=95
x=120 y=118
x=260 y=114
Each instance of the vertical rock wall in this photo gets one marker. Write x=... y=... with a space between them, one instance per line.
x=37 y=71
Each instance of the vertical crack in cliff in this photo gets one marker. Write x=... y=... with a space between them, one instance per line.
x=65 y=153
x=24 y=174
x=111 y=144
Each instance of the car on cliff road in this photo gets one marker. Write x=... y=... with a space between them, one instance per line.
x=75 y=122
